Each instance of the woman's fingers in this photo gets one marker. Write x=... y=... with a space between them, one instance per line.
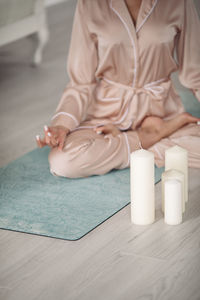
x=103 y=129
x=53 y=140
x=47 y=135
x=61 y=141
x=53 y=137
x=109 y=128
x=40 y=143
x=50 y=137
x=99 y=130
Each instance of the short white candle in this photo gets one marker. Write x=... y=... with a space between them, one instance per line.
x=173 y=202
x=177 y=158
x=142 y=187
x=172 y=174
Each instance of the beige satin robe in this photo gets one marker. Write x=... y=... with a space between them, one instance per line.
x=120 y=73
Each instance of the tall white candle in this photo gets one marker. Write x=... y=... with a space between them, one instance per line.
x=173 y=202
x=177 y=158
x=172 y=174
x=142 y=187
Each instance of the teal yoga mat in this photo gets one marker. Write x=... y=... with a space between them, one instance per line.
x=34 y=201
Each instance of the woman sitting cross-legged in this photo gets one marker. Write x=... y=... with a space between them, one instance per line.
x=120 y=96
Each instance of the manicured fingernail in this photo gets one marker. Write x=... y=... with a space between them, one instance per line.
x=49 y=133
x=99 y=132
x=46 y=128
x=105 y=137
x=37 y=137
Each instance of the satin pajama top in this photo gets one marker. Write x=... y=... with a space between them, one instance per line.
x=119 y=73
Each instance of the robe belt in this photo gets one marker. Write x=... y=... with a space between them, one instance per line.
x=153 y=88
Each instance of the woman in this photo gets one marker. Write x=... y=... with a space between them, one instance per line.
x=120 y=97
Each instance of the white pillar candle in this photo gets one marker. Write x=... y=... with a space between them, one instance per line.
x=172 y=174
x=173 y=202
x=177 y=158
x=142 y=187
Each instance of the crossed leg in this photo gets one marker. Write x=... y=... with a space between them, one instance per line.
x=87 y=153
x=187 y=137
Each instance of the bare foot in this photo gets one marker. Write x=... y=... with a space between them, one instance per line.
x=153 y=124
x=150 y=131
x=188 y=118
x=154 y=128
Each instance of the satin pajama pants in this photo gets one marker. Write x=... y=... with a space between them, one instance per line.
x=87 y=153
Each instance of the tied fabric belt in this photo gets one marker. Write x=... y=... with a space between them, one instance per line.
x=153 y=88
x=156 y=89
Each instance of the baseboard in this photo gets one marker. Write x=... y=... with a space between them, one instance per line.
x=53 y=2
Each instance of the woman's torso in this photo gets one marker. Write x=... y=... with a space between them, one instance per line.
x=134 y=62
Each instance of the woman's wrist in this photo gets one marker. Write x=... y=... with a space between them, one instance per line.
x=62 y=127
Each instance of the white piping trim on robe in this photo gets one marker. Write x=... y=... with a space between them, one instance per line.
x=92 y=126
x=128 y=148
x=158 y=152
x=132 y=41
x=147 y=16
x=67 y=114
x=127 y=126
x=140 y=145
x=96 y=126
x=123 y=117
x=109 y=99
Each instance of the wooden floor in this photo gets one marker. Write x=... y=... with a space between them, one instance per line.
x=117 y=260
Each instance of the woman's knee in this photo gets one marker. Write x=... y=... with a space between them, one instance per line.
x=60 y=164
x=70 y=162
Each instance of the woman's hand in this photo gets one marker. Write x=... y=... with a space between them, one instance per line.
x=54 y=137
x=106 y=129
